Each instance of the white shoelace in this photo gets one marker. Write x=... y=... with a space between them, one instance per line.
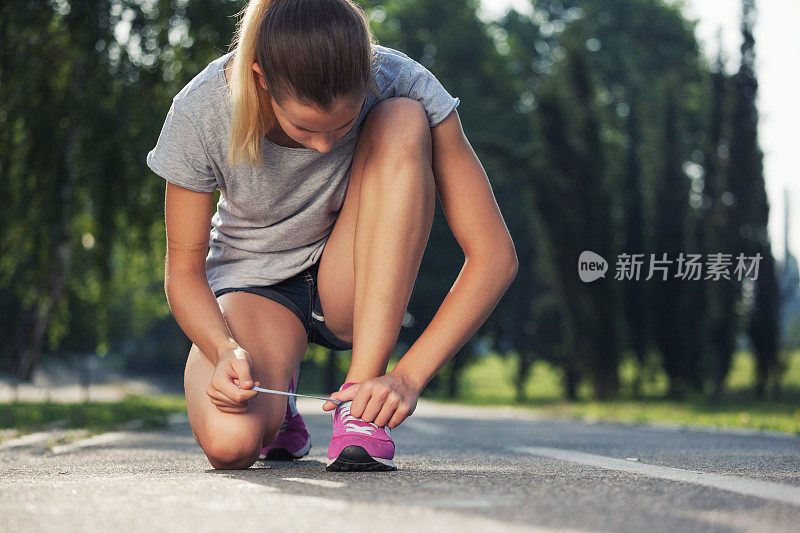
x=349 y=421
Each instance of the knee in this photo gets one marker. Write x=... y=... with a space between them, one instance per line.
x=230 y=453
x=238 y=448
x=399 y=124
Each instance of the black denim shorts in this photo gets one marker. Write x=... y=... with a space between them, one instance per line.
x=299 y=294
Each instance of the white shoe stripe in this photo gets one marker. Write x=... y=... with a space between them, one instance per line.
x=304 y=450
x=386 y=461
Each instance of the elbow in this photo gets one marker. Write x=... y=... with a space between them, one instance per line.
x=167 y=292
x=500 y=263
x=510 y=261
x=504 y=255
x=512 y=266
x=180 y=280
x=515 y=268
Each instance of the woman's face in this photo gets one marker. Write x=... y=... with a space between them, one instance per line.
x=310 y=126
x=314 y=128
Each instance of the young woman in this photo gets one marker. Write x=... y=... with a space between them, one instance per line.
x=327 y=149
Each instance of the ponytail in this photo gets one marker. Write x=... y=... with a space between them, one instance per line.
x=315 y=51
x=252 y=113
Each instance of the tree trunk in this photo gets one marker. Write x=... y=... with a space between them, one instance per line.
x=455 y=376
x=571 y=382
x=523 y=372
x=330 y=372
x=29 y=346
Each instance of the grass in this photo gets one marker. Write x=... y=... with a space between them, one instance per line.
x=488 y=382
x=18 y=418
x=771 y=416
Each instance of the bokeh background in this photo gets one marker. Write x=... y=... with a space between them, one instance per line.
x=617 y=126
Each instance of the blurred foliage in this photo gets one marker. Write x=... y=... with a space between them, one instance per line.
x=600 y=125
x=486 y=383
x=152 y=411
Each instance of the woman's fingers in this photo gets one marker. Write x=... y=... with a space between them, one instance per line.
x=236 y=382
x=374 y=406
x=386 y=413
x=238 y=369
x=215 y=394
x=222 y=393
x=224 y=404
x=360 y=401
x=231 y=384
x=400 y=414
x=228 y=409
x=241 y=371
x=218 y=398
x=343 y=396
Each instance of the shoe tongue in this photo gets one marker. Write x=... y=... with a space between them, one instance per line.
x=347 y=384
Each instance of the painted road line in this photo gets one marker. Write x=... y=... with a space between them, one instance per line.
x=742 y=485
x=97 y=440
x=316 y=482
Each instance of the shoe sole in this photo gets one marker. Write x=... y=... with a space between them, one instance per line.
x=282 y=454
x=356 y=459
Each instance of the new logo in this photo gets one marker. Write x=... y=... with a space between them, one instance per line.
x=591 y=266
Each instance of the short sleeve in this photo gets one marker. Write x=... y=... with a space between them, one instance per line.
x=417 y=82
x=180 y=156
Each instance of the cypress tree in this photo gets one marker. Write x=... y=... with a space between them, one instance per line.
x=670 y=216
x=754 y=208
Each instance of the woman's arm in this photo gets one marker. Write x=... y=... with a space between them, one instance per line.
x=188 y=222
x=490 y=266
x=490 y=260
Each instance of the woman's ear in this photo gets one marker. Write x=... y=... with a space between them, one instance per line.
x=261 y=80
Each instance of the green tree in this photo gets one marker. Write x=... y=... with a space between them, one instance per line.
x=572 y=196
x=669 y=293
x=450 y=40
x=747 y=171
x=744 y=216
x=85 y=86
x=634 y=294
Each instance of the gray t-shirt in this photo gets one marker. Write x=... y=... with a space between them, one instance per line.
x=272 y=220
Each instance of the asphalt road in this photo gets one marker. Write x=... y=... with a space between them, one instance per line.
x=465 y=469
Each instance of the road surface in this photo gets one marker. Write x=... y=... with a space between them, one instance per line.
x=461 y=469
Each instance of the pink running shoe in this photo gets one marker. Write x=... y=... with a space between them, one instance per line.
x=358 y=446
x=293 y=440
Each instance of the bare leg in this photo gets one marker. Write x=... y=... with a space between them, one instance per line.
x=277 y=341
x=372 y=258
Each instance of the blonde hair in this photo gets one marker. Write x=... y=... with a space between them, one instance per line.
x=314 y=51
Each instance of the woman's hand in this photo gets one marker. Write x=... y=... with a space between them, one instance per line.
x=383 y=401
x=231 y=384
